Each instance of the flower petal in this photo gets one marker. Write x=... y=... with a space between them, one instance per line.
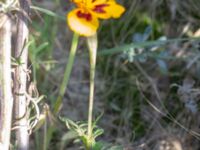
x=107 y=10
x=77 y=1
x=83 y=23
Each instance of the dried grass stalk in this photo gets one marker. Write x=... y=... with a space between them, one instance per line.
x=6 y=100
x=20 y=79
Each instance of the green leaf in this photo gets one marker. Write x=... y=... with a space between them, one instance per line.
x=98 y=146
x=97 y=132
x=128 y=47
x=69 y=123
x=48 y=12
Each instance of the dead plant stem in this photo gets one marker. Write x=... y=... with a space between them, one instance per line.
x=20 y=79
x=6 y=99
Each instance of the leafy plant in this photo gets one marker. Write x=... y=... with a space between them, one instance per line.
x=80 y=131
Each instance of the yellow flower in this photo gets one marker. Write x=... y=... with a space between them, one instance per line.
x=84 y=19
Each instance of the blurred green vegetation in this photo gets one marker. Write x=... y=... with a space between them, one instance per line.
x=140 y=84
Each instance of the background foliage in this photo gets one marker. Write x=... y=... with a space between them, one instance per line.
x=147 y=82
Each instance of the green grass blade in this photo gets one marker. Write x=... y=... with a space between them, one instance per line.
x=48 y=12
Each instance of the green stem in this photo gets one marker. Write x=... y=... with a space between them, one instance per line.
x=66 y=73
x=92 y=44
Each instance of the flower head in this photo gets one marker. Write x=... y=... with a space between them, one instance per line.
x=84 y=19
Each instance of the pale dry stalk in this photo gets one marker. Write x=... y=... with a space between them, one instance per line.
x=20 y=78
x=6 y=99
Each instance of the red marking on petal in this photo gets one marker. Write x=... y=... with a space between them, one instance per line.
x=100 y=8
x=86 y=16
